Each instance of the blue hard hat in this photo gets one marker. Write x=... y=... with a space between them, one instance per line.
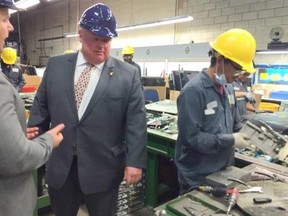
x=8 y=4
x=99 y=20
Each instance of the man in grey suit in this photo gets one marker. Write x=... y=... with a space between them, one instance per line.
x=105 y=137
x=19 y=156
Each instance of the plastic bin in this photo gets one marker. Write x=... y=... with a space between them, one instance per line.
x=269 y=106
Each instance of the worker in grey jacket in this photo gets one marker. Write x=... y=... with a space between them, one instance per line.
x=245 y=99
x=19 y=156
x=208 y=120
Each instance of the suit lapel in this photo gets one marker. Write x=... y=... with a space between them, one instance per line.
x=106 y=74
x=71 y=65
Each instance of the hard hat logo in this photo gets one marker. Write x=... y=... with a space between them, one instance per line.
x=9 y=4
x=9 y=55
x=99 y=20
x=237 y=45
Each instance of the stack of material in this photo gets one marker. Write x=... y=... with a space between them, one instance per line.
x=131 y=198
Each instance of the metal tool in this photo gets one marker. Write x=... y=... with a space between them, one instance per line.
x=252 y=190
x=262 y=200
x=215 y=191
x=232 y=199
x=273 y=176
x=239 y=181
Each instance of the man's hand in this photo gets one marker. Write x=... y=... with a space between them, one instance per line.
x=56 y=134
x=32 y=132
x=132 y=175
x=241 y=140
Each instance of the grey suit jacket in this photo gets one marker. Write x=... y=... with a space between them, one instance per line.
x=18 y=155
x=110 y=135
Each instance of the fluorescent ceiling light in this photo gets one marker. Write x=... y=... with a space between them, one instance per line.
x=273 y=52
x=25 y=4
x=71 y=34
x=165 y=21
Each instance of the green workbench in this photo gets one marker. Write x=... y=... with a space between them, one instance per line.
x=162 y=144
x=42 y=200
x=158 y=143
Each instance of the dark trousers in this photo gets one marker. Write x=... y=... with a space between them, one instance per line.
x=67 y=200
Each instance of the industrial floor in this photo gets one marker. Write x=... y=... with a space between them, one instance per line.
x=83 y=212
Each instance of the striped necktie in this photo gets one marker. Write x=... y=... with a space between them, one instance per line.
x=82 y=84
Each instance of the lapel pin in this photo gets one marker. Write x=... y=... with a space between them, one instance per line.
x=111 y=73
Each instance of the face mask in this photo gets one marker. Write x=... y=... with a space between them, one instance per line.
x=220 y=79
x=223 y=78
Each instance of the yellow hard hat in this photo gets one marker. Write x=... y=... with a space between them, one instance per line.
x=68 y=51
x=9 y=55
x=128 y=50
x=237 y=45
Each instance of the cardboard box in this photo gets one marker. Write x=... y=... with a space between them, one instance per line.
x=174 y=94
x=32 y=80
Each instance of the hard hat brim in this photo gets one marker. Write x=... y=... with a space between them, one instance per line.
x=11 y=6
x=103 y=32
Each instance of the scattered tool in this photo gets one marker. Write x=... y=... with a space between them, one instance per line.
x=232 y=199
x=261 y=200
x=215 y=191
x=238 y=181
x=252 y=190
x=272 y=176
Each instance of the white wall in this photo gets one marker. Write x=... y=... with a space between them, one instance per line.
x=211 y=17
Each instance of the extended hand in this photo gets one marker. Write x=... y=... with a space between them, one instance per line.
x=132 y=175
x=32 y=132
x=56 y=134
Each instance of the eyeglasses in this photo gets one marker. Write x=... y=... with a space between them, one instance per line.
x=245 y=74
x=236 y=66
x=238 y=69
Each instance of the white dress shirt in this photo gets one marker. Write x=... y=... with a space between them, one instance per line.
x=81 y=64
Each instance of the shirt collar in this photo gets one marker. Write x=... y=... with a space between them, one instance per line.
x=81 y=61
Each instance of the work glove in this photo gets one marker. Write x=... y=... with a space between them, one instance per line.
x=250 y=97
x=241 y=140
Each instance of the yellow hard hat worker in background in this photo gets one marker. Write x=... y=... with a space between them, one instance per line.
x=9 y=55
x=128 y=50
x=69 y=51
x=12 y=71
x=128 y=54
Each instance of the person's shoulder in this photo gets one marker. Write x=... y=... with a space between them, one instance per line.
x=64 y=56
x=118 y=64
x=135 y=64
x=5 y=86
